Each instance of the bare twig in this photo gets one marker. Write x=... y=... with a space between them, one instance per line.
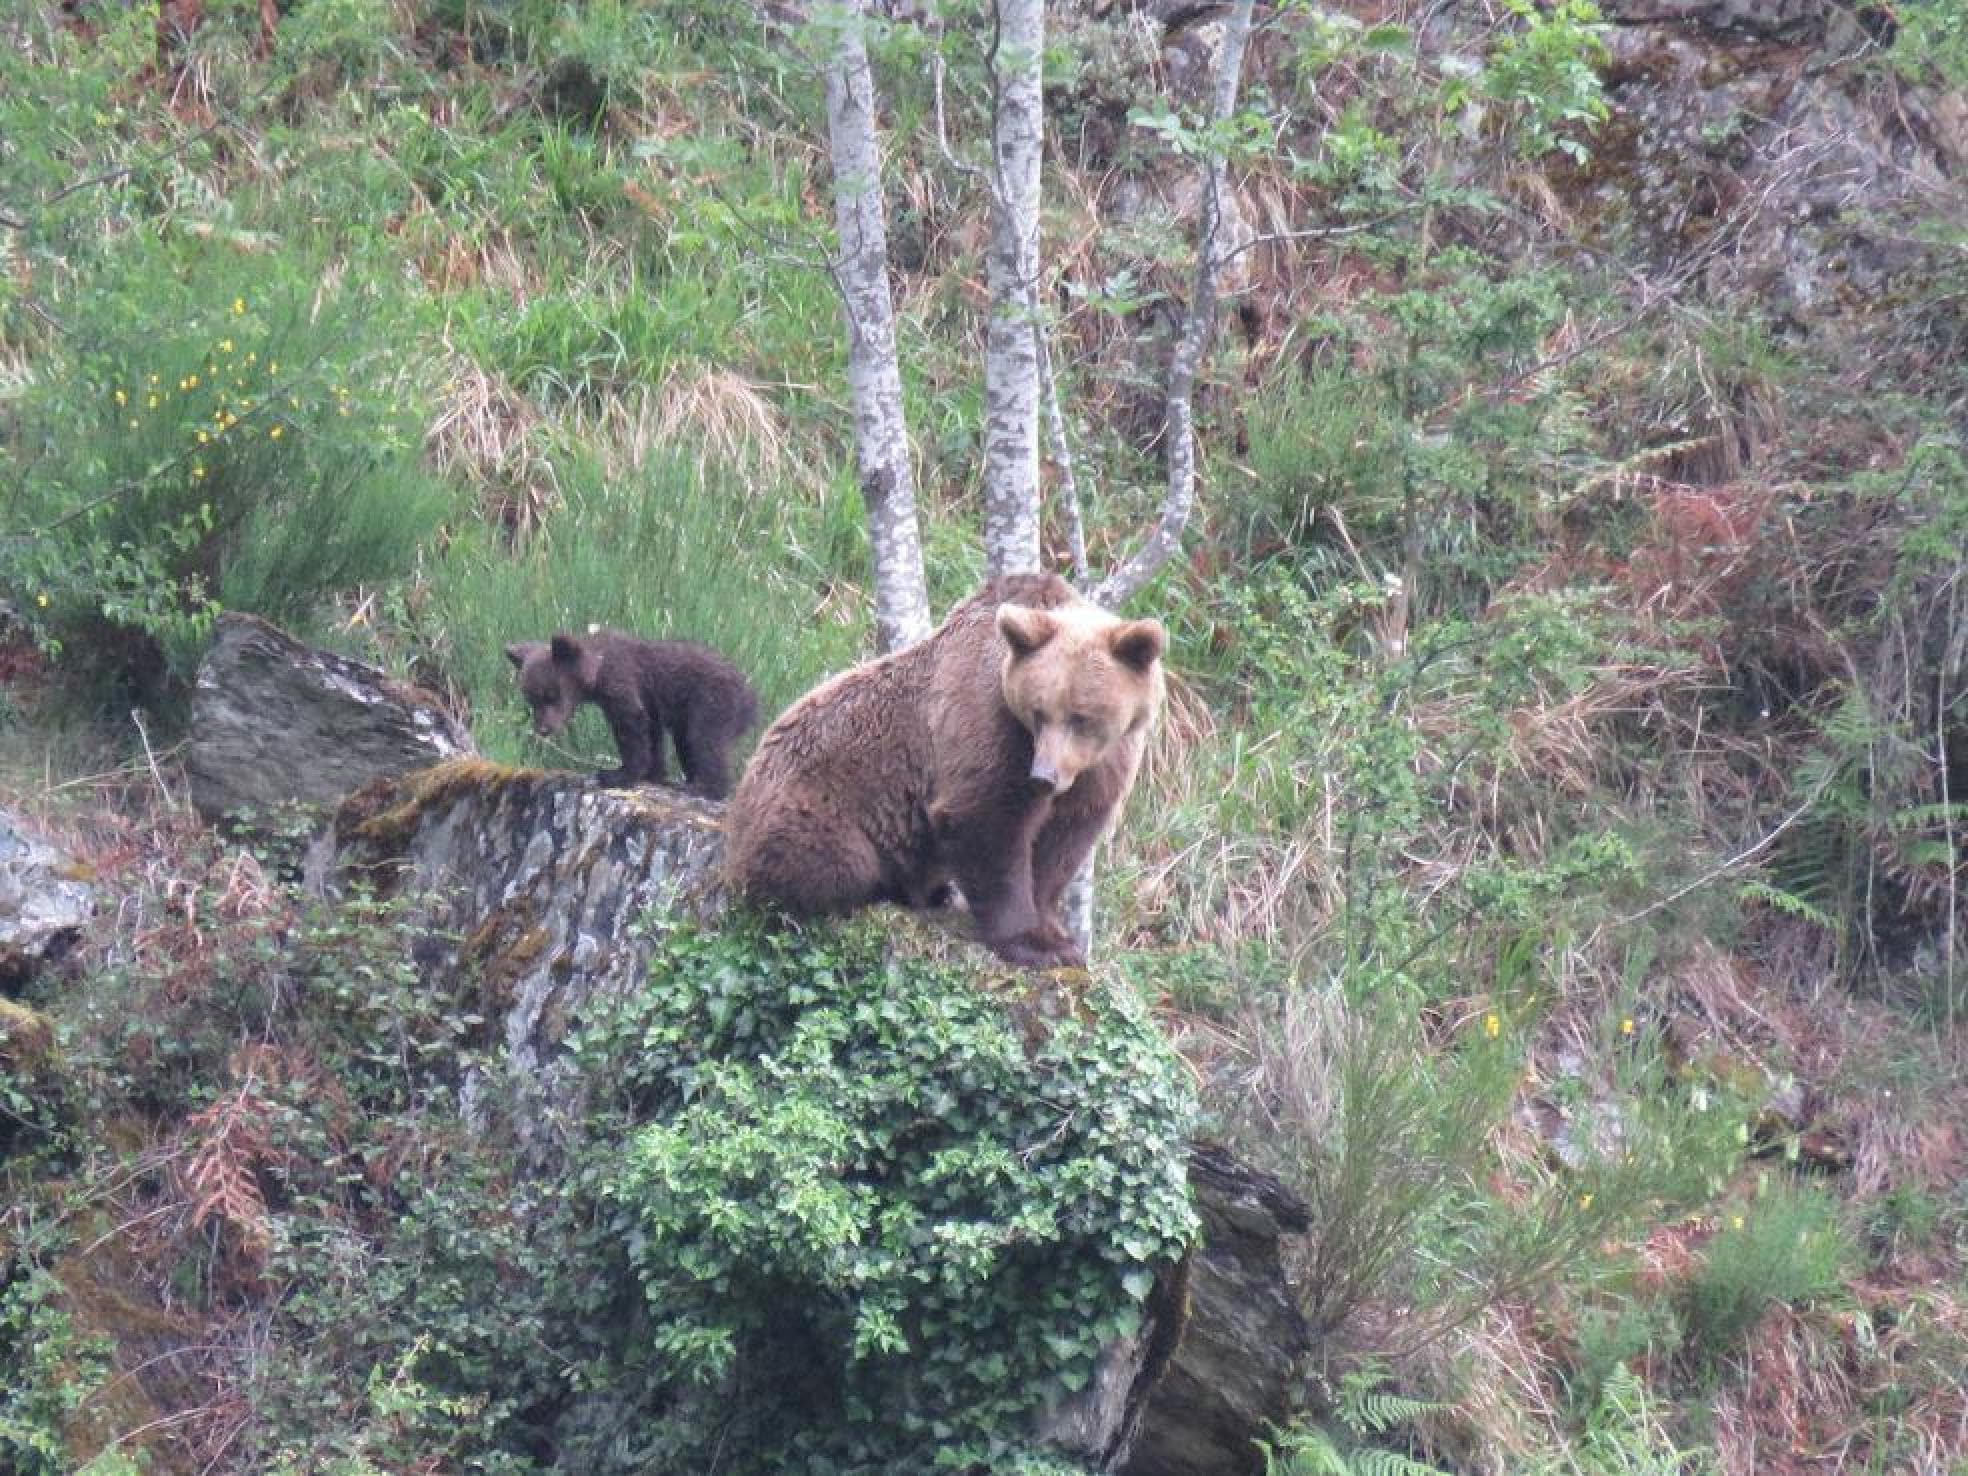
x=150 y=757
x=1185 y=364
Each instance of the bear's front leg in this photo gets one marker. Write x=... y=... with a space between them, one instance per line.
x=639 y=741
x=992 y=862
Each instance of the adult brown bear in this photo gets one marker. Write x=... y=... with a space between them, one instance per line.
x=991 y=755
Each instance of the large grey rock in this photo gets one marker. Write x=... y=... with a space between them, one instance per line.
x=45 y=898
x=1237 y=1362
x=527 y=884
x=1745 y=142
x=274 y=721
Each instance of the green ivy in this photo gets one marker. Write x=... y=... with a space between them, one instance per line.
x=867 y=1189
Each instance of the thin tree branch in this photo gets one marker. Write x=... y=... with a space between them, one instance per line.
x=1185 y=363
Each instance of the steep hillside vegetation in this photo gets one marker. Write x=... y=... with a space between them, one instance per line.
x=1551 y=862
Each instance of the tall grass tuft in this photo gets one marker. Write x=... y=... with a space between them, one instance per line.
x=1790 y=1245
x=670 y=550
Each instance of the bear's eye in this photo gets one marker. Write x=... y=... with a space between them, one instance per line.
x=1083 y=725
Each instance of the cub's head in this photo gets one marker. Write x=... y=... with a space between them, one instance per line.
x=1081 y=681
x=555 y=677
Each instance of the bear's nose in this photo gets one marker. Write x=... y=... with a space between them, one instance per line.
x=1045 y=776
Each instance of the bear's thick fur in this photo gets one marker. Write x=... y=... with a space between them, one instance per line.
x=991 y=755
x=644 y=689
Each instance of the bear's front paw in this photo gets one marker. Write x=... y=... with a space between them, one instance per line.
x=614 y=779
x=1042 y=948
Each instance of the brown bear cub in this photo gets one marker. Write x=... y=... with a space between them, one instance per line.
x=991 y=755
x=644 y=689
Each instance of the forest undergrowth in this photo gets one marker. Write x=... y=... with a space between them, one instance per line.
x=1550 y=862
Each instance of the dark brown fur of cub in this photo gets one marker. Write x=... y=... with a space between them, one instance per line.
x=644 y=689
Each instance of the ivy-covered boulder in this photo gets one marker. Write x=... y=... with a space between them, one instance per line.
x=889 y=1218
x=874 y=1193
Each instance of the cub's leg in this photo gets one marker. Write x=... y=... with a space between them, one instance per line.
x=703 y=743
x=639 y=740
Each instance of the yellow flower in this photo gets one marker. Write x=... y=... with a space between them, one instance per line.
x=225 y=345
x=274 y=434
x=273 y=366
x=238 y=305
x=292 y=403
x=231 y=420
x=343 y=410
x=1492 y=1026
x=1585 y=1201
x=1626 y=1026
x=191 y=381
x=198 y=473
x=252 y=356
x=41 y=600
x=153 y=381
x=153 y=402
x=121 y=398
x=133 y=425
x=1735 y=1222
x=204 y=436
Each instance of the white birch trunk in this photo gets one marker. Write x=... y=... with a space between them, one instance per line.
x=1179 y=422
x=1011 y=364
x=881 y=439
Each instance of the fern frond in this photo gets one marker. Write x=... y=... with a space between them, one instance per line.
x=1788 y=903
x=1391 y=1463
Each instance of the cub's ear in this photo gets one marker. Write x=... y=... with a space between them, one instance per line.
x=1025 y=630
x=520 y=652
x=566 y=650
x=1138 y=643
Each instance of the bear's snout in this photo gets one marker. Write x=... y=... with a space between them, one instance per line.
x=1046 y=777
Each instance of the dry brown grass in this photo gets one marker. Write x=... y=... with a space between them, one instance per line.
x=488 y=435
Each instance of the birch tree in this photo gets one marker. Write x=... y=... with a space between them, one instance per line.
x=881 y=437
x=1011 y=350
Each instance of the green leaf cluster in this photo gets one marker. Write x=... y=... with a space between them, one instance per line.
x=866 y=1188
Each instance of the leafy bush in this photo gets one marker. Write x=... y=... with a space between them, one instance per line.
x=1394 y=454
x=1546 y=72
x=50 y=1368
x=215 y=431
x=867 y=1190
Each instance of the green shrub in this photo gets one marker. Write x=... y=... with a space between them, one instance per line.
x=52 y=1368
x=867 y=1189
x=1789 y=1245
x=217 y=431
x=1392 y=454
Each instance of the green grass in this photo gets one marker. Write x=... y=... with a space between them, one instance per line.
x=671 y=551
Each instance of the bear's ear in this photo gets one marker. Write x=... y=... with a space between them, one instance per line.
x=1025 y=630
x=520 y=652
x=1138 y=643
x=566 y=650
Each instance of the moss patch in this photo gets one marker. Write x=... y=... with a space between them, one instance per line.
x=385 y=814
